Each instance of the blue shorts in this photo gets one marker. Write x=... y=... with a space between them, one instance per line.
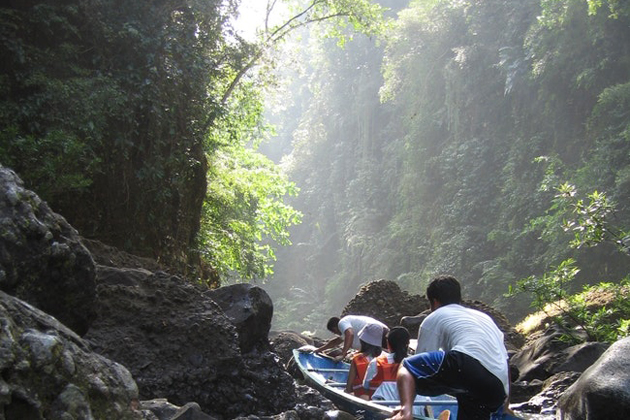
x=424 y=365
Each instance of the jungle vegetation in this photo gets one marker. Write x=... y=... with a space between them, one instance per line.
x=139 y=121
x=451 y=145
x=355 y=140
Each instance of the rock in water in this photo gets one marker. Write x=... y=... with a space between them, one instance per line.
x=603 y=390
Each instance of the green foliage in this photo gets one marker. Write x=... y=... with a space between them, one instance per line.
x=600 y=311
x=109 y=104
x=551 y=287
x=123 y=89
x=445 y=178
x=362 y=16
x=588 y=220
x=61 y=164
x=244 y=214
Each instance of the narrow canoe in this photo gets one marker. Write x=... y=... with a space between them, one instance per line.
x=329 y=378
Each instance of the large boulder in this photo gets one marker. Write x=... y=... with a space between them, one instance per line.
x=48 y=372
x=179 y=345
x=42 y=259
x=384 y=300
x=250 y=309
x=603 y=390
x=283 y=343
x=543 y=401
x=545 y=354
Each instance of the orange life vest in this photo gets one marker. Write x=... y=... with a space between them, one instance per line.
x=361 y=362
x=385 y=371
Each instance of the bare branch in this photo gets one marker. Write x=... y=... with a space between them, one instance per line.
x=277 y=35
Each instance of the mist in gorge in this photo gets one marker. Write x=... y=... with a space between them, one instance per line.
x=441 y=147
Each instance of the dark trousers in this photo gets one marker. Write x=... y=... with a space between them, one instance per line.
x=479 y=393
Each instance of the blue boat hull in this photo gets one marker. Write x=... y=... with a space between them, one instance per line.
x=329 y=378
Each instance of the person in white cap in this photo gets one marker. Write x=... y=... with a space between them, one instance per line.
x=347 y=329
x=371 y=339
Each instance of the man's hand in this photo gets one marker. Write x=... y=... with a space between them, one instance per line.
x=339 y=358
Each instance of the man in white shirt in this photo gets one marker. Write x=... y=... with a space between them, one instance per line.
x=460 y=352
x=347 y=329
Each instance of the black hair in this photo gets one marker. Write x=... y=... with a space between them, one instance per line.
x=445 y=289
x=333 y=324
x=370 y=349
x=398 y=340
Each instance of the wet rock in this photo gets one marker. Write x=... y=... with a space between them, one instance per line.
x=546 y=354
x=603 y=390
x=191 y=411
x=545 y=401
x=160 y=408
x=42 y=259
x=49 y=372
x=522 y=391
x=250 y=309
x=283 y=343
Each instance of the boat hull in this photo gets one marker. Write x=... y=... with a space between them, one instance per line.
x=329 y=378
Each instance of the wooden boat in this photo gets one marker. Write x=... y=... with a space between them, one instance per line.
x=329 y=378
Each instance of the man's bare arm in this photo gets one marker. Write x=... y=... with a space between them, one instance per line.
x=333 y=342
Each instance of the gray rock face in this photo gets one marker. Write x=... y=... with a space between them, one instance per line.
x=179 y=345
x=547 y=355
x=48 y=372
x=250 y=309
x=603 y=390
x=384 y=300
x=42 y=260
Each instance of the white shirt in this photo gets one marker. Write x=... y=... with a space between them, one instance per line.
x=454 y=327
x=356 y=322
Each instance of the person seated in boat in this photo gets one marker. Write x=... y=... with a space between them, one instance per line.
x=380 y=376
x=371 y=338
x=460 y=352
x=347 y=329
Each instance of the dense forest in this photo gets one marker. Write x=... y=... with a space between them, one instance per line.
x=486 y=139
x=391 y=139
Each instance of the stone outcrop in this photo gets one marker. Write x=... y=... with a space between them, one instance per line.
x=250 y=310
x=384 y=300
x=546 y=355
x=603 y=390
x=540 y=397
x=283 y=343
x=49 y=372
x=42 y=259
x=179 y=345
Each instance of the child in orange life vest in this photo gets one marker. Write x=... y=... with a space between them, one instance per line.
x=371 y=337
x=384 y=368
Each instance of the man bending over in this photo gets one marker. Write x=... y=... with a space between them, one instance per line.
x=460 y=352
